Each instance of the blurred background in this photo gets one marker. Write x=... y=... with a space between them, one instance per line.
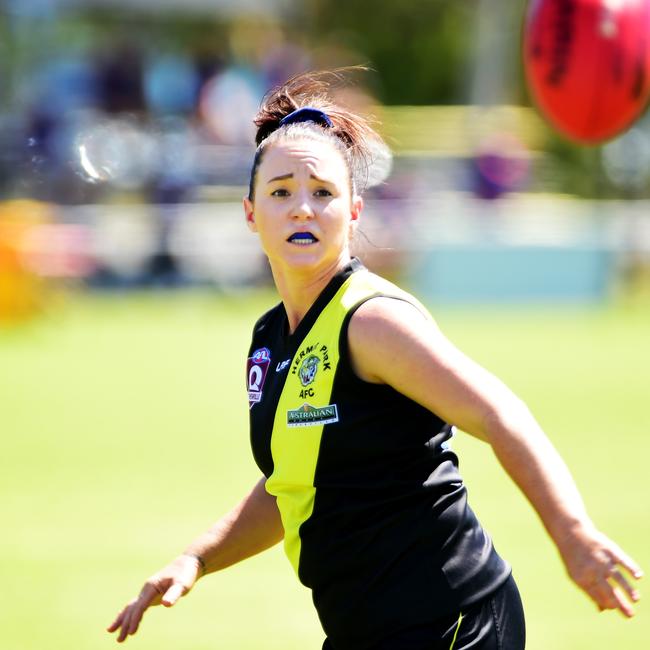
x=129 y=285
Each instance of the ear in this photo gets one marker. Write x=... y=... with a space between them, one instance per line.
x=250 y=217
x=355 y=211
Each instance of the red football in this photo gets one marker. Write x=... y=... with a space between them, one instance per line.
x=587 y=64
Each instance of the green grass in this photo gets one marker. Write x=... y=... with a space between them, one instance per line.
x=123 y=433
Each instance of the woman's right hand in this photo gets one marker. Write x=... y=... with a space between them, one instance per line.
x=164 y=587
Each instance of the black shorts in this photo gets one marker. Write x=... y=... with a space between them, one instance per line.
x=493 y=623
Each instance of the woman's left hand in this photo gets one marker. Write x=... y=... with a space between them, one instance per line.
x=601 y=569
x=419 y=362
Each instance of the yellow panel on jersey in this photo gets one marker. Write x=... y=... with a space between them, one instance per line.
x=305 y=406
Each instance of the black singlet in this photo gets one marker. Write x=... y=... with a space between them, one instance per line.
x=375 y=512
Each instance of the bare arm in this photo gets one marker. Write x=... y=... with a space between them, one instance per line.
x=251 y=527
x=391 y=342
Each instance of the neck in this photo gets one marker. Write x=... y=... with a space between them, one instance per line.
x=299 y=289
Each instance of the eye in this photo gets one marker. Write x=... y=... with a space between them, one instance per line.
x=281 y=192
x=322 y=193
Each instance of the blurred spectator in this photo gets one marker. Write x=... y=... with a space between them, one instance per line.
x=162 y=269
x=229 y=102
x=171 y=84
x=501 y=165
x=120 y=72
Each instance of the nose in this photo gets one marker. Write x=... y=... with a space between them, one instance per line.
x=302 y=209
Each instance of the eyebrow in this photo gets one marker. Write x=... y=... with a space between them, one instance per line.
x=284 y=177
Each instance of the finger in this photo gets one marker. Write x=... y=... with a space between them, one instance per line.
x=173 y=594
x=139 y=608
x=124 y=631
x=622 y=603
x=134 y=622
x=133 y=617
x=617 y=577
x=149 y=593
x=620 y=557
x=603 y=595
x=607 y=596
x=117 y=622
x=122 y=621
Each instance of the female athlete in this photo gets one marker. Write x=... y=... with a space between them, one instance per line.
x=354 y=395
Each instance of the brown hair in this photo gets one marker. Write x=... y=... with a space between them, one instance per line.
x=351 y=134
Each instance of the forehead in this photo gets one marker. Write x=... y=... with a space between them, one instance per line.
x=315 y=156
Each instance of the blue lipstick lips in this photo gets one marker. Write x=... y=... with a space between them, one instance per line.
x=302 y=238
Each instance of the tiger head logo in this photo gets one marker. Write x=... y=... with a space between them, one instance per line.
x=308 y=367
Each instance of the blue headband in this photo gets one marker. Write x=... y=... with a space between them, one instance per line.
x=307 y=114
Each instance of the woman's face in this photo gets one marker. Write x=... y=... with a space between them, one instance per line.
x=303 y=210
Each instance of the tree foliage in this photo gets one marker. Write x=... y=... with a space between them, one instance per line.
x=421 y=48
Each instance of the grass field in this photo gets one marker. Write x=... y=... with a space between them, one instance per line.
x=123 y=427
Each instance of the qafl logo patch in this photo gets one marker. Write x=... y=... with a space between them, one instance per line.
x=257 y=367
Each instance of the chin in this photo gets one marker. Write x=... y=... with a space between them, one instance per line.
x=309 y=259
x=304 y=260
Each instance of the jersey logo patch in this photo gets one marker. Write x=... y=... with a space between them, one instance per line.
x=256 y=368
x=308 y=415
x=282 y=365
x=307 y=370
x=316 y=349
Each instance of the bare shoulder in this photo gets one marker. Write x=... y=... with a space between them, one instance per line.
x=392 y=342
x=385 y=316
x=383 y=328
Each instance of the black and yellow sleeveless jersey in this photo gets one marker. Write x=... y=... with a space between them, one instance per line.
x=374 y=510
